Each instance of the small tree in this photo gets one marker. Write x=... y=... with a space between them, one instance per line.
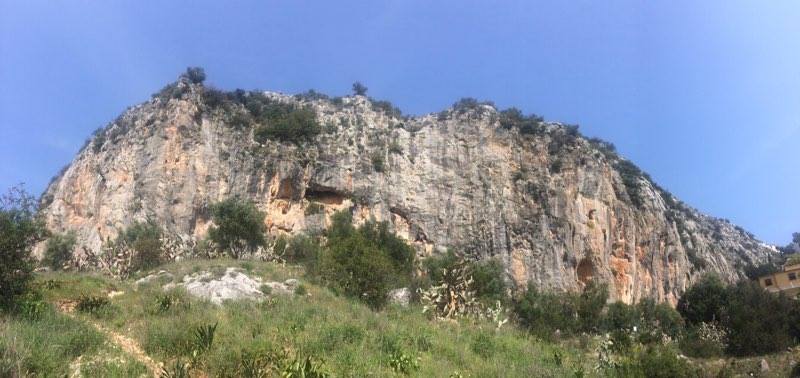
x=145 y=240
x=58 y=250
x=20 y=229
x=359 y=89
x=488 y=280
x=704 y=301
x=238 y=226
x=196 y=75
x=364 y=262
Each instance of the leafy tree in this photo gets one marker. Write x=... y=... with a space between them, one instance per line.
x=488 y=280
x=759 y=322
x=755 y=271
x=359 y=89
x=364 y=262
x=196 y=75
x=545 y=312
x=589 y=306
x=238 y=225
x=58 y=250
x=704 y=301
x=435 y=266
x=20 y=229
x=144 y=238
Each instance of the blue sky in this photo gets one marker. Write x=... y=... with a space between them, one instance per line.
x=704 y=97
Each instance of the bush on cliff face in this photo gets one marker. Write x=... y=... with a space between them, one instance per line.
x=238 y=226
x=512 y=118
x=196 y=75
x=58 y=250
x=20 y=229
x=284 y=122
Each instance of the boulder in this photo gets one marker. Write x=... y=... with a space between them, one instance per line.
x=401 y=296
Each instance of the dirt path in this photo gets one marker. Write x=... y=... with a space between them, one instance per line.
x=128 y=345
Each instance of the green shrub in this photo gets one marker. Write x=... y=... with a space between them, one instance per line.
x=20 y=229
x=704 y=301
x=621 y=316
x=483 y=345
x=58 y=250
x=303 y=249
x=467 y=104
x=656 y=362
x=513 y=118
x=289 y=125
x=543 y=313
x=92 y=304
x=488 y=280
x=144 y=238
x=403 y=363
x=359 y=89
x=589 y=307
x=759 y=322
x=378 y=162
x=99 y=138
x=387 y=107
x=238 y=226
x=366 y=262
x=631 y=178
x=196 y=75
x=436 y=265
x=700 y=344
x=658 y=320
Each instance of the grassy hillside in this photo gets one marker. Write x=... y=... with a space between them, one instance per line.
x=345 y=336
x=341 y=336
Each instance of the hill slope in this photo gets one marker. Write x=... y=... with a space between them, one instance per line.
x=556 y=208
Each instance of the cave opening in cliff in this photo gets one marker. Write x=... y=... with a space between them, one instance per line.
x=585 y=271
x=327 y=197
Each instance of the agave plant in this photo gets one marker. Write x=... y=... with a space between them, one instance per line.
x=204 y=336
x=179 y=369
x=304 y=368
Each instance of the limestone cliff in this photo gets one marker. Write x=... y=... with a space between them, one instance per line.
x=556 y=208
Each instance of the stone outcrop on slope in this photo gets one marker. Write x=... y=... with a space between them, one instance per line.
x=555 y=208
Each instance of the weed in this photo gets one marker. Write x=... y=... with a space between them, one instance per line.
x=304 y=368
x=403 y=363
x=92 y=304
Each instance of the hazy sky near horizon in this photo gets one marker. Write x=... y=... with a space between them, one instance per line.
x=705 y=96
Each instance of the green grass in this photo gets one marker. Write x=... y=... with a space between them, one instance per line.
x=48 y=345
x=347 y=336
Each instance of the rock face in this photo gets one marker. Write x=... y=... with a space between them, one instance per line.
x=557 y=209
